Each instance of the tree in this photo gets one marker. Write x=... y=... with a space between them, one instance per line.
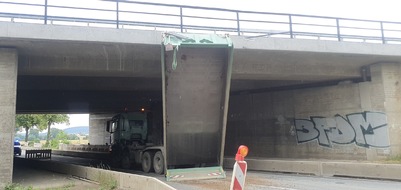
x=73 y=137
x=52 y=119
x=33 y=134
x=54 y=132
x=28 y=121
x=62 y=136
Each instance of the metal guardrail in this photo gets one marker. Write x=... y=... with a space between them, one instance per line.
x=86 y=148
x=38 y=153
x=180 y=18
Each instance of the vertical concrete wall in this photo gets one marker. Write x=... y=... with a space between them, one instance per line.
x=8 y=88
x=266 y=121
x=387 y=79
x=347 y=121
x=97 y=129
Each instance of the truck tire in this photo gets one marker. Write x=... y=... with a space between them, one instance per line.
x=115 y=160
x=125 y=161
x=158 y=163
x=147 y=160
x=115 y=156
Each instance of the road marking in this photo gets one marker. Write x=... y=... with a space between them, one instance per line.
x=176 y=176
x=214 y=174
x=282 y=188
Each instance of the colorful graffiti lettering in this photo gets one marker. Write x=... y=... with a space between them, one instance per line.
x=367 y=129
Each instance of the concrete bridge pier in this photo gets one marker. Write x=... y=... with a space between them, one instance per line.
x=97 y=129
x=386 y=79
x=8 y=89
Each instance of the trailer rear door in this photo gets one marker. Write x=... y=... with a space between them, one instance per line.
x=196 y=72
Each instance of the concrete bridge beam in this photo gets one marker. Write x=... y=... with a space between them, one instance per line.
x=8 y=89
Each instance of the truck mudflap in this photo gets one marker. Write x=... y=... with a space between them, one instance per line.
x=195 y=173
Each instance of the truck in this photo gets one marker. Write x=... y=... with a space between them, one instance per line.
x=130 y=142
x=196 y=76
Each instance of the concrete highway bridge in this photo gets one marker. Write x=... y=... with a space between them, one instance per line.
x=295 y=93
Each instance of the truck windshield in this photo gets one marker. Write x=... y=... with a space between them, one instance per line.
x=134 y=124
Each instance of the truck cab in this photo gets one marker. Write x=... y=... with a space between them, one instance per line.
x=130 y=143
x=131 y=127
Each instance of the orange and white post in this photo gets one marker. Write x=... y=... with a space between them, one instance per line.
x=239 y=171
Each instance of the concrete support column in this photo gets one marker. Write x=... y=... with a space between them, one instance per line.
x=97 y=129
x=8 y=89
x=386 y=79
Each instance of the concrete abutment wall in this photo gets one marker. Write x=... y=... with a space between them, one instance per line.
x=349 y=121
x=8 y=87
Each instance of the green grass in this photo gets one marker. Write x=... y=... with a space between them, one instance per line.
x=16 y=186
x=393 y=160
x=107 y=182
x=65 y=187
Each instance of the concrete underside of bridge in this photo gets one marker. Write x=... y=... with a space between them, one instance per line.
x=290 y=98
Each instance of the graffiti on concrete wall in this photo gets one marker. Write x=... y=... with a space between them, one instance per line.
x=367 y=129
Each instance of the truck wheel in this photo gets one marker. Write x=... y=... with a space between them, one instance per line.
x=147 y=159
x=158 y=163
x=116 y=156
x=125 y=162
x=115 y=160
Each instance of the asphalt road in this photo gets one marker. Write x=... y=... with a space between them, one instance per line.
x=277 y=181
x=262 y=180
x=27 y=176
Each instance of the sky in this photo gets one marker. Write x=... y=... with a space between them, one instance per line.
x=76 y=120
x=387 y=10
x=383 y=10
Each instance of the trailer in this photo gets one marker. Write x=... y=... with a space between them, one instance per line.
x=196 y=76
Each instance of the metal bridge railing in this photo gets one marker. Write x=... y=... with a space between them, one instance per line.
x=179 y=18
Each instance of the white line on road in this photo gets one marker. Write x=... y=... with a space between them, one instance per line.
x=281 y=188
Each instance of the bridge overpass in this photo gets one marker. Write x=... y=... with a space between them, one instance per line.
x=86 y=66
x=290 y=97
